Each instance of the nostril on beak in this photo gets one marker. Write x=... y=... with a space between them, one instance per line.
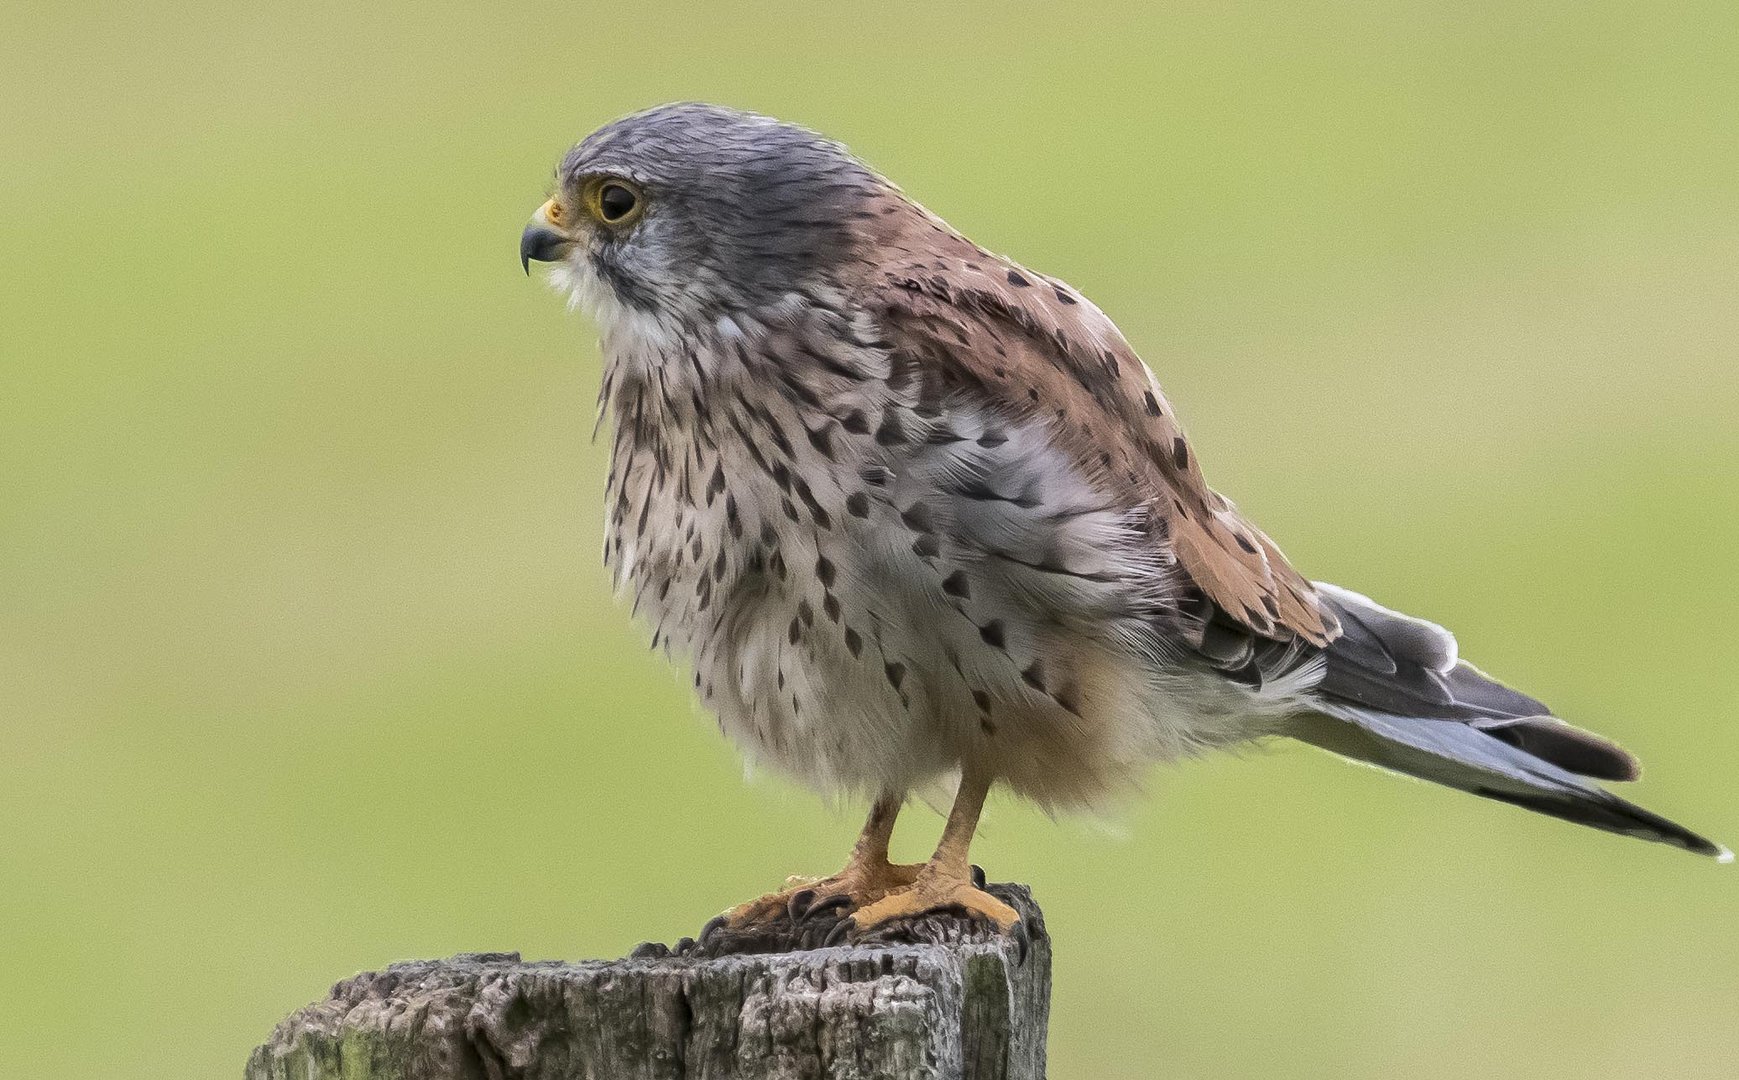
x=541 y=244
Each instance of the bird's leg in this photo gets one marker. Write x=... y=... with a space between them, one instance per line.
x=945 y=882
x=868 y=876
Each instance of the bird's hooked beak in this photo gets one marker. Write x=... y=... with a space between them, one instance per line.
x=543 y=239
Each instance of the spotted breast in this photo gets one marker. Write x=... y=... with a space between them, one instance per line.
x=879 y=571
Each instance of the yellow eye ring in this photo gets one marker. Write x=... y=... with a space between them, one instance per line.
x=614 y=201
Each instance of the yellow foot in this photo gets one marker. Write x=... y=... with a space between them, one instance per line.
x=851 y=888
x=936 y=891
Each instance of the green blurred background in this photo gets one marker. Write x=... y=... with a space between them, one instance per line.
x=307 y=662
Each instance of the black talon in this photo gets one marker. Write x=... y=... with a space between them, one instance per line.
x=837 y=935
x=713 y=926
x=837 y=900
x=977 y=876
x=1023 y=943
x=649 y=950
x=799 y=903
x=683 y=946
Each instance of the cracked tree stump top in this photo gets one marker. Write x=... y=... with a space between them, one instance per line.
x=938 y=997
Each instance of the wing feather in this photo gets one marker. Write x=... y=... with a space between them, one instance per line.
x=1034 y=347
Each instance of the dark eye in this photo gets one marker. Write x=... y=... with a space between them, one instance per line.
x=616 y=202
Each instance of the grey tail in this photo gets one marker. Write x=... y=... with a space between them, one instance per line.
x=1393 y=694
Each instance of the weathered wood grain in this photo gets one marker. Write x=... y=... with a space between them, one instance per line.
x=937 y=998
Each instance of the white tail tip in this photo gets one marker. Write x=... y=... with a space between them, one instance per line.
x=1724 y=857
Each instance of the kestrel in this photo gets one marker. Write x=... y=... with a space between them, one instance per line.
x=914 y=513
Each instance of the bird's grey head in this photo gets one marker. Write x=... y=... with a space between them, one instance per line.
x=682 y=213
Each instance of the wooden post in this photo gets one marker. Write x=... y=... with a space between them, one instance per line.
x=935 y=998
